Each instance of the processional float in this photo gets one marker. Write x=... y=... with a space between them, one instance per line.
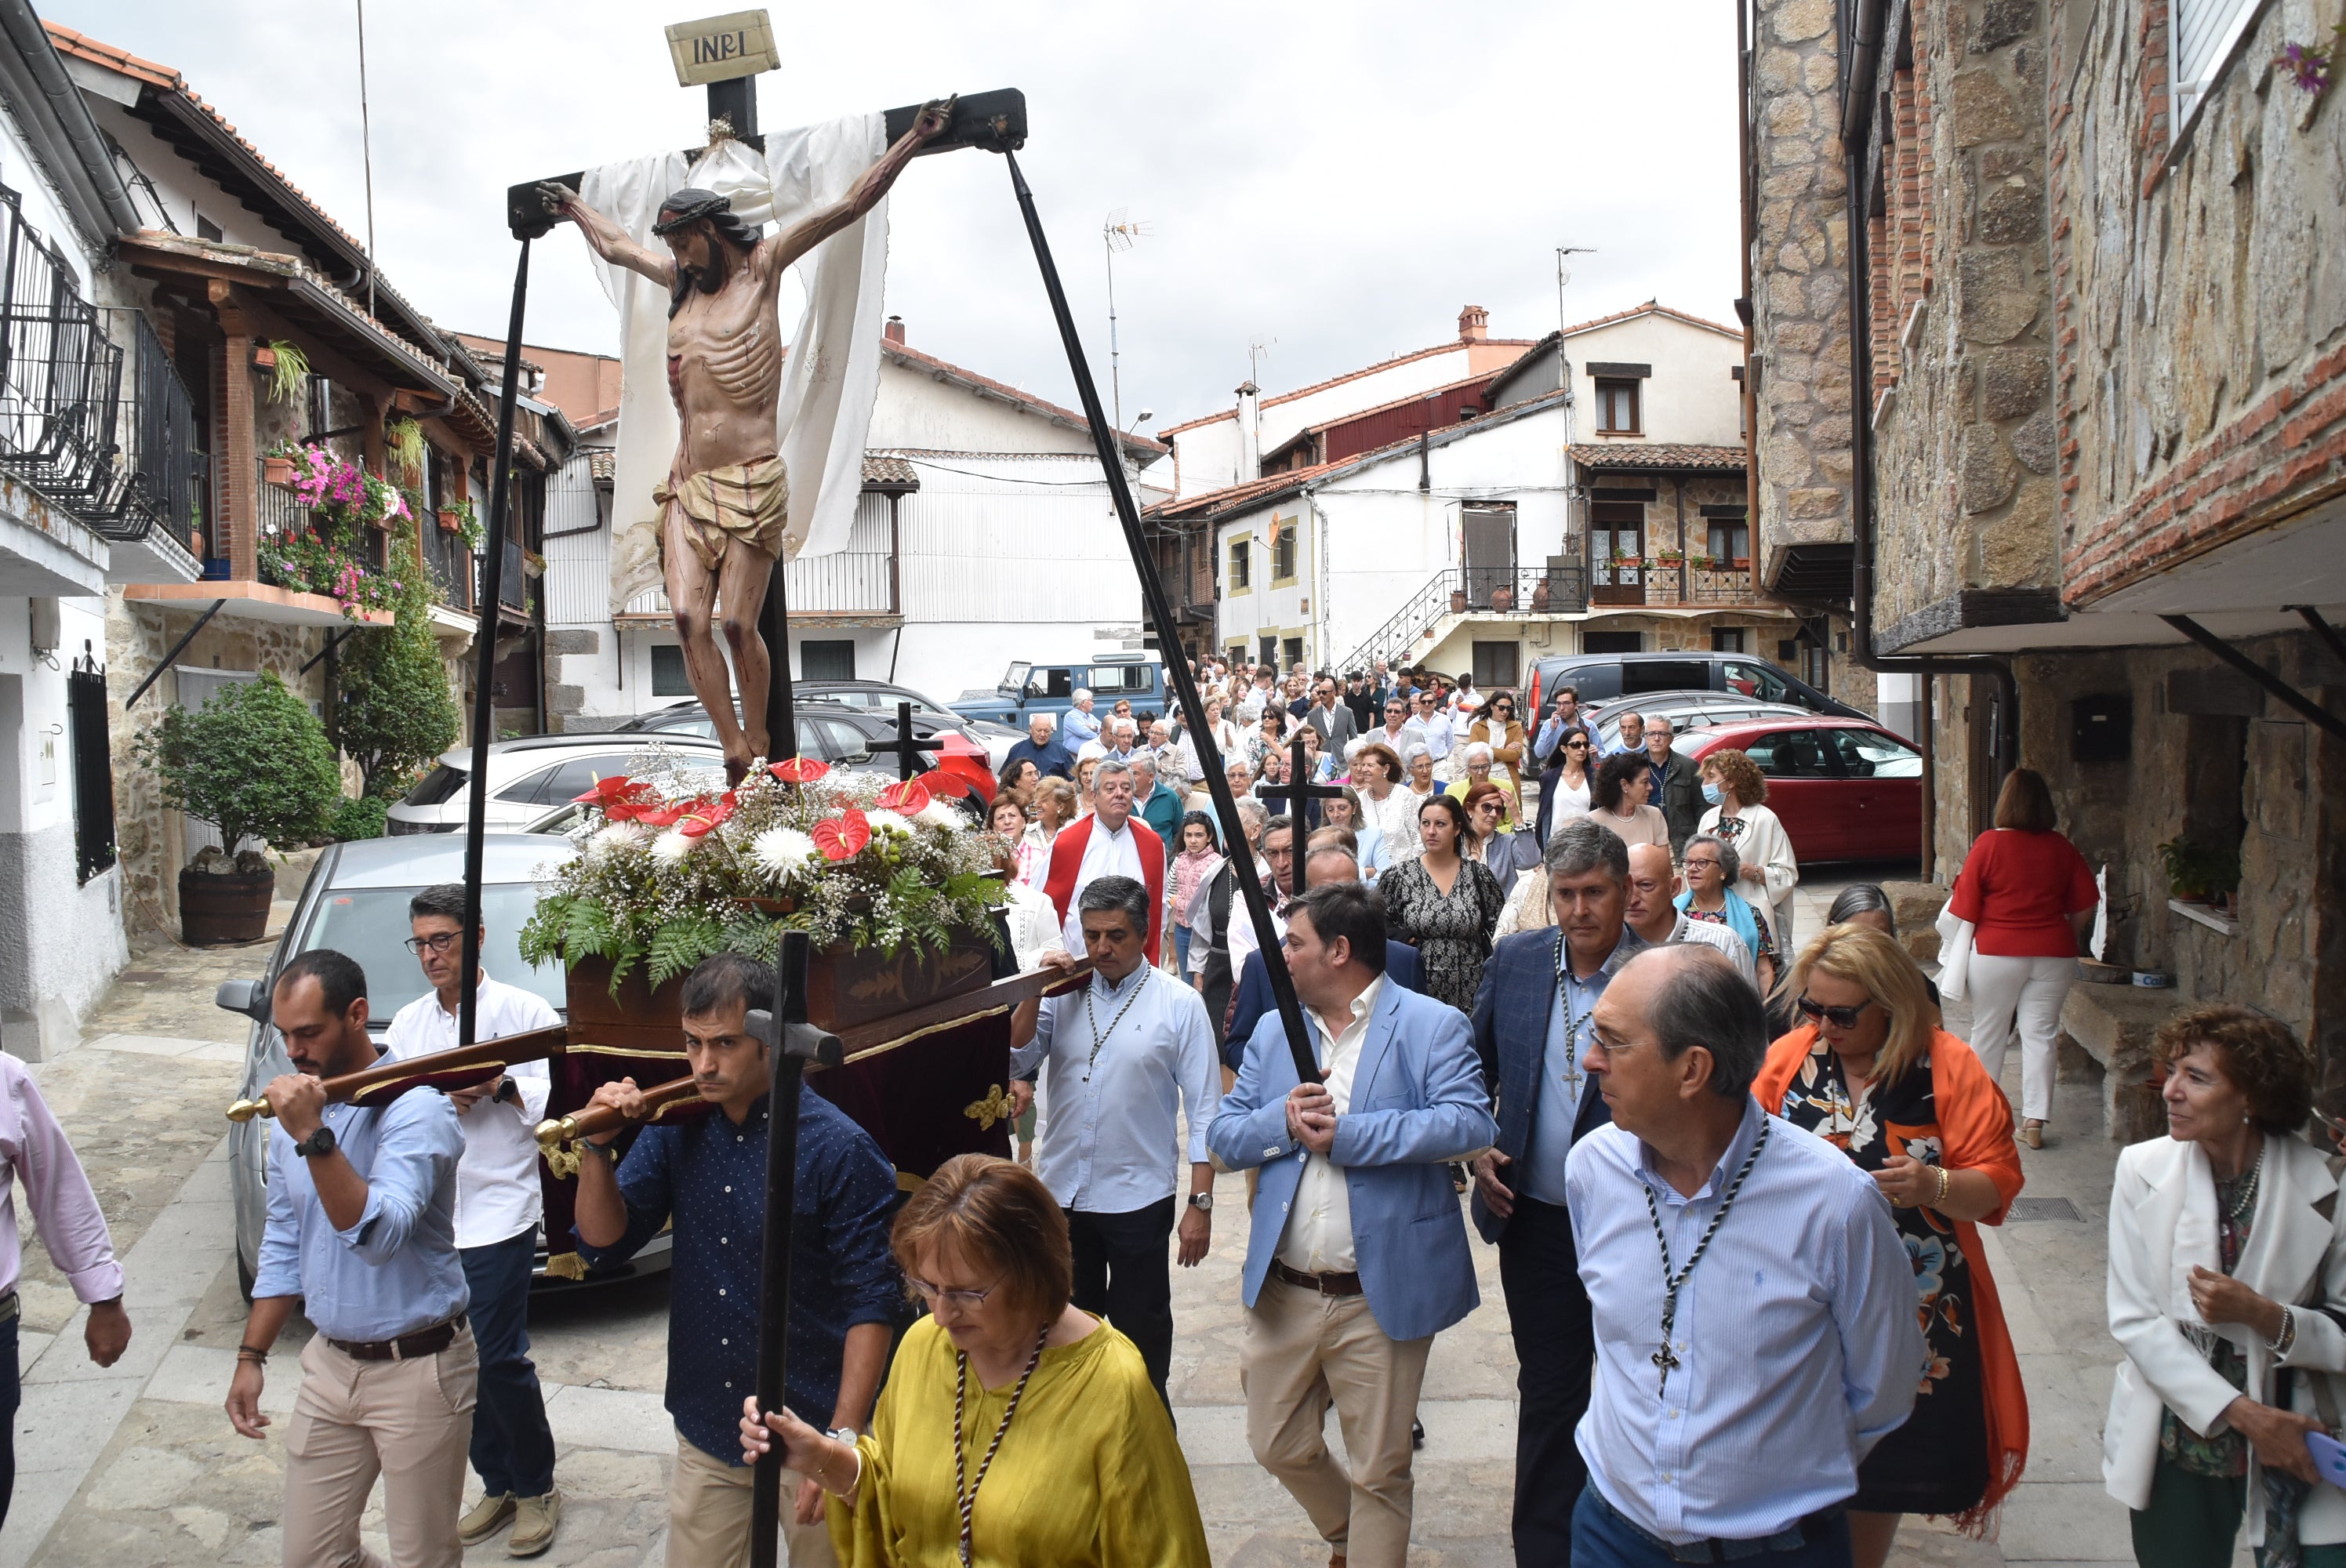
x=914 y=1045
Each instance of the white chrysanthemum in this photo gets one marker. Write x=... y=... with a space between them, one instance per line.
x=887 y=822
x=782 y=851
x=615 y=836
x=937 y=814
x=671 y=847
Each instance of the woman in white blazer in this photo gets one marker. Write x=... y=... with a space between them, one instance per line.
x=1735 y=787
x=2225 y=1267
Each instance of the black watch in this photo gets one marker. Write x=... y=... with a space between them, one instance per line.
x=318 y=1145
x=507 y=1091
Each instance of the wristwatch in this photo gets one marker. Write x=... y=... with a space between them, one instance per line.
x=318 y=1145
x=1202 y=1200
x=507 y=1090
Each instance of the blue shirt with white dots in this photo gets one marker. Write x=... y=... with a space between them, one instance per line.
x=709 y=1177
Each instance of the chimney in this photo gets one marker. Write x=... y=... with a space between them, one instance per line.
x=895 y=331
x=1473 y=324
x=1250 y=432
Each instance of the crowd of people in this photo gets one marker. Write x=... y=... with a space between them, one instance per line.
x=1738 y=1252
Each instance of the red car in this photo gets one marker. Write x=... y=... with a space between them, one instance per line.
x=1844 y=789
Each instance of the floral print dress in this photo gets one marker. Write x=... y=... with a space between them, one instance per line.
x=1937 y=1462
x=1452 y=931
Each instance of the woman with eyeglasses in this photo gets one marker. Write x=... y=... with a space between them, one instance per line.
x=1870 y=1071
x=1445 y=904
x=1497 y=728
x=1711 y=868
x=1014 y=1427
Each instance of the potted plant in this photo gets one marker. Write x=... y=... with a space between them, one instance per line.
x=2200 y=873
x=281 y=465
x=403 y=447
x=255 y=763
x=287 y=367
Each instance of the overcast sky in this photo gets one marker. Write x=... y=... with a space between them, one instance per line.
x=1336 y=180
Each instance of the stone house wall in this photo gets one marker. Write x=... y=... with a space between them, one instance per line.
x=2200 y=300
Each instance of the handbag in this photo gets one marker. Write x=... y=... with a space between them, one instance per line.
x=1955 y=937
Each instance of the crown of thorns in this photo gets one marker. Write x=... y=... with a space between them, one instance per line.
x=692 y=204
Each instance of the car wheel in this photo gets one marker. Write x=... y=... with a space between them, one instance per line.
x=243 y=1278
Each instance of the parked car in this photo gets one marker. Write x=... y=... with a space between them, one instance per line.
x=356 y=902
x=525 y=775
x=1026 y=689
x=1845 y=789
x=847 y=737
x=861 y=696
x=1603 y=679
x=1688 y=711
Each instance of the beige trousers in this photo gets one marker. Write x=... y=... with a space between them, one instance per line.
x=407 y=1421
x=1304 y=1351
x=708 y=1516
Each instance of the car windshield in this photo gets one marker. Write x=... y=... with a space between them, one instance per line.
x=438 y=787
x=1016 y=681
x=371 y=925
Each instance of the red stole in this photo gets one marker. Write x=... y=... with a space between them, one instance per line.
x=1068 y=860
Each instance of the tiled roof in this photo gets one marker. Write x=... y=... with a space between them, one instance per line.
x=1237 y=498
x=914 y=359
x=893 y=472
x=602 y=462
x=1631 y=457
x=1652 y=308
x=1352 y=375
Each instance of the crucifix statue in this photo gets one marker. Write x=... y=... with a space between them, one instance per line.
x=725 y=502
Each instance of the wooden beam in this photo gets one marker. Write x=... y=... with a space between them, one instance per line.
x=241 y=488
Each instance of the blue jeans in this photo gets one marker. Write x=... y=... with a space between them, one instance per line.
x=1181 y=935
x=1602 y=1538
x=512 y=1447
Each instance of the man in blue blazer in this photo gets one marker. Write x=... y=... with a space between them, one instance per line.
x=1531 y=1031
x=1357 y=1254
x=1329 y=863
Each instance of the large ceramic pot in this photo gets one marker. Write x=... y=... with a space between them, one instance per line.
x=214 y=909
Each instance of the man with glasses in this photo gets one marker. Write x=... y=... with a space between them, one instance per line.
x=1434 y=725
x=708 y=1176
x=1331 y=718
x=498 y=1206
x=1677 y=786
x=1400 y=730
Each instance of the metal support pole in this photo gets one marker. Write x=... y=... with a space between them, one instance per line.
x=774 y=626
x=2314 y=713
x=176 y=649
x=484 y=701
x=1177 y=667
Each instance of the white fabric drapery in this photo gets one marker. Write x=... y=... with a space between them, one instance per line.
x=832 y=372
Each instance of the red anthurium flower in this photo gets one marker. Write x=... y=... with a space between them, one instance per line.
x=842 y=837
x=799 y=769
x=705 y=815
x=660 y=816
x=938 y=781
x=910 y=798
x=607 y=792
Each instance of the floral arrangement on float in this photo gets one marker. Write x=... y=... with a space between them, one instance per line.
x=671 y=871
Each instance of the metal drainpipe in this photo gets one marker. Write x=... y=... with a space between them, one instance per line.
x=1856 y=125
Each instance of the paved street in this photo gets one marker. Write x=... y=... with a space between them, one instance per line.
x=137 y=1466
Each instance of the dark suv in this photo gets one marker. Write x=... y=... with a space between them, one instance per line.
x=1603 y=679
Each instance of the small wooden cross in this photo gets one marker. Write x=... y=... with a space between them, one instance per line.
x=1297 y=791
x=906 y=745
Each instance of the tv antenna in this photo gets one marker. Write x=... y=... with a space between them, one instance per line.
x=1117 y=234
x=1258 y=350
x=1564 y=275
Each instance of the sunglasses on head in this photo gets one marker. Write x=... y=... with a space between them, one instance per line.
x=1839 y=1017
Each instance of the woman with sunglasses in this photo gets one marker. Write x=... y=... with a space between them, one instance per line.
x=1574 y=779
x=1015 y=1427
x=1870 y=1071
x=1507 y=854
x=1498 y=728
x=1711 y=868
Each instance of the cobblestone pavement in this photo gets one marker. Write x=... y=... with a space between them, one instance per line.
x=138 y=1466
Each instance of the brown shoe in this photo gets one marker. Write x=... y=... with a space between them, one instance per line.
x=536 y=1519
x=488 y=1517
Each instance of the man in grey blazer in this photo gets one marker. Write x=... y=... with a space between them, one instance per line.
x=1357 y=1254
x=1330 y=718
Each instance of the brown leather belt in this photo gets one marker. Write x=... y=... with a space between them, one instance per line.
x=1325 y=1284
x=407 y=1347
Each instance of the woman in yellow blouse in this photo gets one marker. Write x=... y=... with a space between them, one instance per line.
x=1014 y=1429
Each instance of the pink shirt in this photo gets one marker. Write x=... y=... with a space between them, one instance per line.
x=33 y=1150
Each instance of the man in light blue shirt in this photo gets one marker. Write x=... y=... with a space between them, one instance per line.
x=1078 y=725
x=1123 y=1056
x=1754 y=1307
x=361 y=1231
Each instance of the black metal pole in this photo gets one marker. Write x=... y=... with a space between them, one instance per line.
x=484 y=701
x=781 y=1211
x=782 y=707
x=1177 y=667
x=176 y=649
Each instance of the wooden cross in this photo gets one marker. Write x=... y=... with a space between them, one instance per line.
x=1298 y=792
x=905 y=747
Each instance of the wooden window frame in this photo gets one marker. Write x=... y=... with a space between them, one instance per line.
x=1606 y=387
x=1241 y=566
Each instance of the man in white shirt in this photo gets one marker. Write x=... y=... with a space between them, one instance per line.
x=1750 y=1295
x=1358 y=1254
x=1123 y=1056
x=1435 y=726
x=1278 y=860
x=498 y=1206
x=1258 y=695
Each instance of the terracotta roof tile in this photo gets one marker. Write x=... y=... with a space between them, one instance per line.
x=1355 y=375
x=895 y=473
x=1652 y=308
x=602 y=462
x=1630 y=456
x=913 y=359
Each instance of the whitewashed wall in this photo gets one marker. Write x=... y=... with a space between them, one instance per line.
x=1690 y=397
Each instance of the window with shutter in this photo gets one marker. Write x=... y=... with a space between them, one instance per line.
x=2204 y=34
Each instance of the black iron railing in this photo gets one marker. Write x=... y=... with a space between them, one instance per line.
x=1553 y=590
x=92 y=413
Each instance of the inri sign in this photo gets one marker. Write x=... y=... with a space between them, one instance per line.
x=721 y=48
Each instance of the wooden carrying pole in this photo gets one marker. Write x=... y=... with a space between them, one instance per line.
x=1169 y=644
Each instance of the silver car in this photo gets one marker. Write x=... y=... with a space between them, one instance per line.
x=528 y=775
x=356 y=903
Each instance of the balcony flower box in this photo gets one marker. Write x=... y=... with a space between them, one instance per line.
x=277 y=470
x=450 y=520
x=1742 y=562
x=264 y=358
x=1667 y=557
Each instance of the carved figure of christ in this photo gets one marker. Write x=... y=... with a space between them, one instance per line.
x=725 y=501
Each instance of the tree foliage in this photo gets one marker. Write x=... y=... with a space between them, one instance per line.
x=253 y=761
x=392 y=710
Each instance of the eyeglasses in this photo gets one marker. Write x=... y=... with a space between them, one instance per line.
x=1839 y=1017
x=960 y=1300
x=1690 y=863
x=442 y=943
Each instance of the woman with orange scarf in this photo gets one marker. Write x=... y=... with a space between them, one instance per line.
x=1871 y=1071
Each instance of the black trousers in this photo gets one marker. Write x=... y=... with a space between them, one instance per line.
x=1124 y=1273
x=12 y=1393
x=1555 y=1348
